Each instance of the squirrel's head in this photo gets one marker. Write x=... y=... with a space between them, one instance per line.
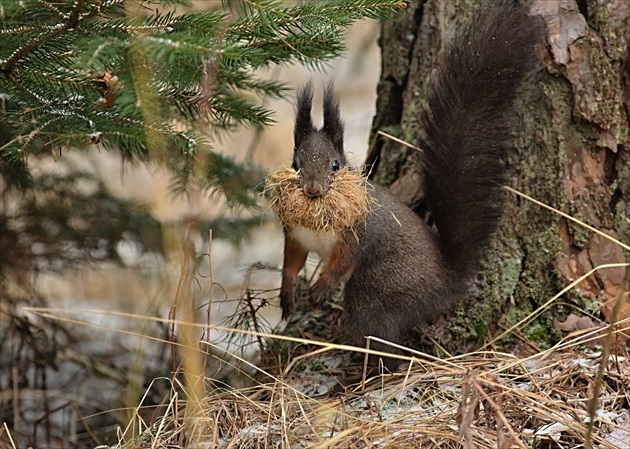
x=317 y=154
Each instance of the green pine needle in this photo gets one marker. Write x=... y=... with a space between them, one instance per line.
x=88 y=72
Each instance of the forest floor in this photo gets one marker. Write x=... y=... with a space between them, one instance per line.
x=480 y=400
x=304 y=392
x=323 y=395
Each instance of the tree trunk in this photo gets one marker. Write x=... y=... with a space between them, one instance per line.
x=571 y=153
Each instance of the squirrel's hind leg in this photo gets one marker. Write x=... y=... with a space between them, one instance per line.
x=363 y=319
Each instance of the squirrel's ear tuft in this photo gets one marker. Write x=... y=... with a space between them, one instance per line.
x=333 y=125
x=303 y=121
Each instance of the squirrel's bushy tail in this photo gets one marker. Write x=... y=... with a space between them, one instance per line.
x=469 y=126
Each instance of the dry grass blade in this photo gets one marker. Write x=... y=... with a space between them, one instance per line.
x=5 y=428
x=568 y=217
x=346 y=203
x=57 y=314
x=539 y=401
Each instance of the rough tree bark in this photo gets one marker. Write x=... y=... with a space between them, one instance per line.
x=572 y=154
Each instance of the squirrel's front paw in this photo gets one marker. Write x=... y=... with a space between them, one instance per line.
x=319 y=293
x=287 y=302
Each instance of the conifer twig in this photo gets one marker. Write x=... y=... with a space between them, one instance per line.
x=73 y=21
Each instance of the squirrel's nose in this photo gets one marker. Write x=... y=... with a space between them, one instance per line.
x=313 y=189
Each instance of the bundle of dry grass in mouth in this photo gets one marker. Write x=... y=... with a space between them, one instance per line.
x=346 y=202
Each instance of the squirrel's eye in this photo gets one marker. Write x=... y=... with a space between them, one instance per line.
x=335 y=165
x=294 y=165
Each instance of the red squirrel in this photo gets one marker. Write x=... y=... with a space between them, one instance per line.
x=398 y=272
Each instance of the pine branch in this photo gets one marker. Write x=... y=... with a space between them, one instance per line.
x=89 y=72
x=71 y=22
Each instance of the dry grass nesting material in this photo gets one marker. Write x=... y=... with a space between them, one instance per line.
x=346 y=202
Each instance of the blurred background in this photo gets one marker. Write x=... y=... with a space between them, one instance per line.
x=75 y=369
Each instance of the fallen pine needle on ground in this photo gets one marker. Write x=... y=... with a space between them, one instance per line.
x=478 y=400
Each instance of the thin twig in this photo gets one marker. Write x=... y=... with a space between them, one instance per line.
x=603 y=364
x=252 y=310
x=211 y=292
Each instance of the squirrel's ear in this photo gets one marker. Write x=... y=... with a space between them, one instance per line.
x=303 y=121
x=333 y=125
